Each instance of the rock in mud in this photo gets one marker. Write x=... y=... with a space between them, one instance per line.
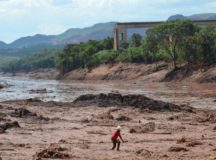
x=177 y=149
x=122 y=118
x=143 y=128
x=24 y=113
x=53 y=153
x=138 y=101
x=5 y=126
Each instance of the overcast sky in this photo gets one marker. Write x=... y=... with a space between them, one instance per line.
x=20 y=18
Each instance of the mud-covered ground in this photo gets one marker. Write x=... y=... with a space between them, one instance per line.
x=31 y=129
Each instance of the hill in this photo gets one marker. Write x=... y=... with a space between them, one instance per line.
x=202 y=16
x=32 y=44
x=3 y=45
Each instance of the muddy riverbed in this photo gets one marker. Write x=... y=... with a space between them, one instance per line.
x=38 y=120
x=194 y=94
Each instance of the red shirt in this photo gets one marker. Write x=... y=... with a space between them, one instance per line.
x=116 y=134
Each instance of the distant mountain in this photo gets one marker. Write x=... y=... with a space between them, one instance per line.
x=77 y=35
x=177 y=16
x=74 y=35
x=30 y=41
x=203 y=16
x=3 y=45
x=31 y=44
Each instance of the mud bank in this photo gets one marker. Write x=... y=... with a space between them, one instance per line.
x=192 y=74
x=159 y=72
x=119 y=71
x=137 y=101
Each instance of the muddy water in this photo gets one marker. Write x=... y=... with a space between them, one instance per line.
x=197 y=95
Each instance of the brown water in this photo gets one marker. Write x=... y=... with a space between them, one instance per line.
x=197 y=95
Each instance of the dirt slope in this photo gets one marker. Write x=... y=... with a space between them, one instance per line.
x=118 y=71
x=192 y=74
x=147 y=73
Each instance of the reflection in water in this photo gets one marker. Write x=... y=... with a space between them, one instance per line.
x=197 y=95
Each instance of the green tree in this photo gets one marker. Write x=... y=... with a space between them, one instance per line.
x=200 y=48
x=136 y=40
x=169 y=36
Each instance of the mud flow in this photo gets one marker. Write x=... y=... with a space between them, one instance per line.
x=42 y=120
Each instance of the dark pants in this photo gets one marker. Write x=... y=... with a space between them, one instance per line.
x=116 y=141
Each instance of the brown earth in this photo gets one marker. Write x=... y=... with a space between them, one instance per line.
x=159 y=72
x=74 y=132
x=148 y=73
x=206 y=74
x=118 y=71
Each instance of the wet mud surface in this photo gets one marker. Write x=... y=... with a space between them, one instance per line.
x=67 y=131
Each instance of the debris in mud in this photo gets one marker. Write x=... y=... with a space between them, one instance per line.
x=144 y=153
x=55 y=152
x=138 y=101
x=2 y=116
x=34 y=100
x=172 y=118
x=182 y=140
x=38 y=91
x=24 y=113
x=104 y=115
x=194 y=143
x=168 y=127
x=96 y=132
x=177 y=149
x=214 y=129
x=207 y=117
x=122 y=118
x=85 y=120
x=2 y=86
x=5 y=126
x=84 y=146
x=143 y=128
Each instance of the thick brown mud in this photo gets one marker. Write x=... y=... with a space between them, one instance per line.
x=73 y=132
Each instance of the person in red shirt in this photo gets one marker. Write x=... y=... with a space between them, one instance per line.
x=115 y=139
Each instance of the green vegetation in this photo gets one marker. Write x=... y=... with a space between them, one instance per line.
x=82 y=55
x=178 y=41
x=44 y=59
x=7 y=59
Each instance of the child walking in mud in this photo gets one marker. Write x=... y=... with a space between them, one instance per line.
x=115 y=139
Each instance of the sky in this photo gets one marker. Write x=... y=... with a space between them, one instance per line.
x=20 y=18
